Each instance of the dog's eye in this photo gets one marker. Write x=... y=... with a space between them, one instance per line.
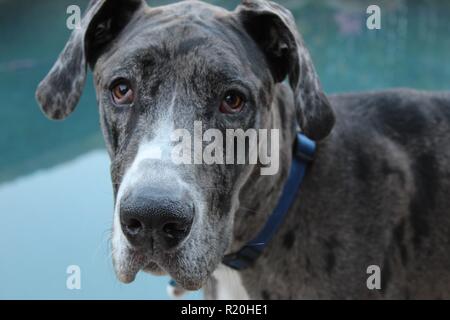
x=122 y=93
x=232 y=102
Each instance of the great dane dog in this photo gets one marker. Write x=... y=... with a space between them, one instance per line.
x=377 y=192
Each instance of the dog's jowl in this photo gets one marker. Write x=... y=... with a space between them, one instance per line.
x=374 y=193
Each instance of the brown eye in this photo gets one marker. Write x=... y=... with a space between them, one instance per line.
x=232 y=102
x=122 y=93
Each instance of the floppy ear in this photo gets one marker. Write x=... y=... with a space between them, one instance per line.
x=59 y=92
x=274 y=30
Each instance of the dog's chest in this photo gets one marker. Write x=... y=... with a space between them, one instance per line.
x=229 y=285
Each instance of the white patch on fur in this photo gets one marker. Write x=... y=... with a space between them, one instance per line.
x=229 y=284
x=154 y=149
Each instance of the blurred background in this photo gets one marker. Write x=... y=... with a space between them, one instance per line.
x=55 y=193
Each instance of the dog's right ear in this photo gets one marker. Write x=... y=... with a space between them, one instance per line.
x=59 y=92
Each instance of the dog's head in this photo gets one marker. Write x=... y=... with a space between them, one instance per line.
x=156 y=72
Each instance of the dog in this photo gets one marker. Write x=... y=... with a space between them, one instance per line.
x=375 y=194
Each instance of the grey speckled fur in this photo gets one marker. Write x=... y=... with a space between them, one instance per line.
x=376 y=193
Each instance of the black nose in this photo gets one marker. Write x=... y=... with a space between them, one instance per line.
x=156 y=217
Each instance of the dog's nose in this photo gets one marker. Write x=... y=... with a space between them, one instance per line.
x=148 y=215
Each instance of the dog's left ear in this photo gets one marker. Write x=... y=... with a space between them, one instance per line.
x=59 y=92
x=274 y=30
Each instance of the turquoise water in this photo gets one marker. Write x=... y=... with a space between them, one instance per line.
x=55 y=192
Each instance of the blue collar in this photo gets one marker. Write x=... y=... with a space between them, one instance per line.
x=304 y=150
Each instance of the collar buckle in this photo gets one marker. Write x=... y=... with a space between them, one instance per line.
x=243 y=258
